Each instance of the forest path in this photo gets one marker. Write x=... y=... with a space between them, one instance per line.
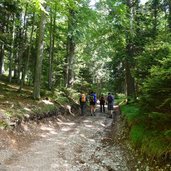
x=79 y=145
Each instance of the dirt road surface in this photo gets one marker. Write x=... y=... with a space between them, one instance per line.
x=74 y=145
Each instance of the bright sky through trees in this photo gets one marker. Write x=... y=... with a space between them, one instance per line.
x=92 y=2
x=143 y=1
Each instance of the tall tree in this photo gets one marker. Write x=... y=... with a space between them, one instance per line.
x=69 y=72
x=39 y=55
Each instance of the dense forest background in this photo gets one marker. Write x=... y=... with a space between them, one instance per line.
x=121 y=46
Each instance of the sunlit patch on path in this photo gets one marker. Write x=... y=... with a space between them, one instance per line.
x=74 y=146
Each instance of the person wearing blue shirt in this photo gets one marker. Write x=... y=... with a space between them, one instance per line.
x=93 y=101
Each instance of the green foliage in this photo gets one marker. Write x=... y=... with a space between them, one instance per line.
x=155 y=145
x=131 y=113
x=168 y=134
x=120 y=99
x=151 y=133
x=3 y=124
x=136 y=135
x=82 y=86
x=156 y=90
x=44 y=109
x=60 y=96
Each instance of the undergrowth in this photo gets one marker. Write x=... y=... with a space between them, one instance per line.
x=15 y=105
x=149 y=132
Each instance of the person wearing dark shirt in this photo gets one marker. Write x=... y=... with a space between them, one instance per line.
x=102 y=104
x=110 y=101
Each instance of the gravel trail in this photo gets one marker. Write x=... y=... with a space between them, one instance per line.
x=78 y=145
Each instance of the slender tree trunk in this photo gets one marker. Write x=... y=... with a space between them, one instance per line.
x=51 y=53
x=26 y=63
x=70 y=50
x=71 y=53
x=129 y=80
x=155 y=9
x=2 y=46
x=1 y=59
x=16 y=65
x=169 y=17
x=23 y=60
x=39 y=56
x=11 y=55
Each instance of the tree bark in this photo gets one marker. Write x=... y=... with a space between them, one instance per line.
x=1 y=59
x=51 y=52
x=26 y=63
x=11 y=55
x=39 y=55
x=169 y=17
x=69 y=71
x=129 y=80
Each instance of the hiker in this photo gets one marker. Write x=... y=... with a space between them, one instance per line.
x=83 y=100
x=102 y=104
x=93 y=100
x=110 y=101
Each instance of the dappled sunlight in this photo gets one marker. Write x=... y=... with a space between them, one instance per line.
x=43 y=135
x=59 y=120
x=74 y=132
x=45 y=128
x=85 y=121
x=2 y=96
x=12 y=86
x=54 y=165
x=83 y=136
x=89 y=126
x=25 y=127
x=53 y=132
x=66 y=129
x=60 y=142
x=91 y=140
x=66 y=123
x=50 y=131
x=2 y=83
x=102 y=124
x=47 y=102
x=38 y=152
x=27 y=109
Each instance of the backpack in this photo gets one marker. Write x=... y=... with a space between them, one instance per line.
x=110 y=99
x=102 y=100
x=83 y=98
x=91 y=98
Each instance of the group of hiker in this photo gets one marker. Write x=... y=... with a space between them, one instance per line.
x=92 y=100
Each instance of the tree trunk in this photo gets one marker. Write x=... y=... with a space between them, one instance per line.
x=169 y=17
x=70 y=50
x=1 y=59
x=155 y=9
x=129 y=80
x=11 y=55
x=39 y=55
x=26 y=63
x=51 y=53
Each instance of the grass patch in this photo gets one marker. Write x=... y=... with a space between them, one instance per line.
x=131 y=113
x=120 y=98
x=155 y=146
x=15 y=104
x=3 y=124
x=149 y=132
x=136 y=135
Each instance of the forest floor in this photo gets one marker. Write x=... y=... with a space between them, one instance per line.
x=63 y=142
